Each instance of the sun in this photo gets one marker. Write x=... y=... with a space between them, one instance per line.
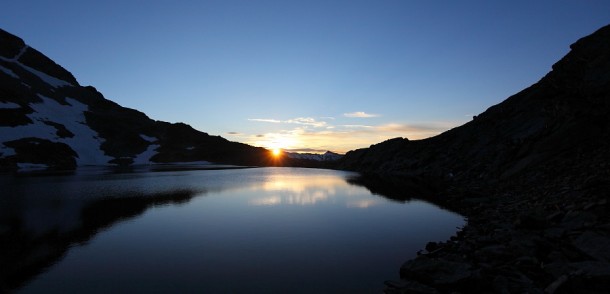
x=276 y=152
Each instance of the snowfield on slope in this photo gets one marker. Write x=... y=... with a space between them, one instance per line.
x=85 y=141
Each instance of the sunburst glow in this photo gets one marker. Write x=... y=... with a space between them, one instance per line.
x=276 y=152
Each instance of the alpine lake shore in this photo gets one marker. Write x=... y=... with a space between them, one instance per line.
x=551 y=237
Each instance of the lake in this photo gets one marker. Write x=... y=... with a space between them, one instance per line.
x=258 y=230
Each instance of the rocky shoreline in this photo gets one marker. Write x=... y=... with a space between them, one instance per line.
x=531 y=174
x=552 y=237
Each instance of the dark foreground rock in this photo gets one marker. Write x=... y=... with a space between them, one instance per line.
x=553 y=238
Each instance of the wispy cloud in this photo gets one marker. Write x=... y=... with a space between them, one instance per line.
x=268 y=120
x=360 y=114
x=426 y=129
x=234 y=133
x=356 y=126
x=308 y=121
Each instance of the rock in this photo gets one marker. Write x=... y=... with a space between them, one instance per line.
x=514 y=282
x=589 y=205
x=586 y=277
x=577 y=220
x=555 y=217
x=552 y=288
x=530 y=221
x=431 y=246
x=495 y=253
x=435 y=271
x=595 y=245
x=555 y=233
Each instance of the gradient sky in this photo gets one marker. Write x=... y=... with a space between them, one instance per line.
x=310 y=75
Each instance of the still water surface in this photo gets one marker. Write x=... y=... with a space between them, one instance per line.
x=264 y=230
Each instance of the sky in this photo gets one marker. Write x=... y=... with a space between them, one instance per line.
x=307 y=76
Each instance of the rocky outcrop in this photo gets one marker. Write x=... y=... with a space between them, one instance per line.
x=531 y=174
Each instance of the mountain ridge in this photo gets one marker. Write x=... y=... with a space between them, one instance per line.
x=48 y=119
x=564 y=111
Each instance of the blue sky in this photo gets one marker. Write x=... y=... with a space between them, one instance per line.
x=312 y=75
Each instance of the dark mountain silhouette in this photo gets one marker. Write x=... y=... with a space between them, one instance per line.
x=561 y=120
x=532 y=176
x=48 y=120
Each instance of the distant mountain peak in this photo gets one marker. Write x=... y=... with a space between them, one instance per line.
x=326 y=156
x=15 y=50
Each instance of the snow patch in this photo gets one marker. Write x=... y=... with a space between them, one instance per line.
x=85 y=142
x=8 y=72
x=9 y=105
x=21 y=52
x=53 y=81
x=148 y=139
x=31 y=166
x=6 y=151
x=144 y=157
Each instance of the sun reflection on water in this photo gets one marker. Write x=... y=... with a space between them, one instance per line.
x=294 y=190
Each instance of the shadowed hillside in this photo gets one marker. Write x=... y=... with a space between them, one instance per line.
x=562 y=120
x=48 y=120
x=532 y=175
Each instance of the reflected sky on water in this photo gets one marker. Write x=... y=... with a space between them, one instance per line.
x=238 y=231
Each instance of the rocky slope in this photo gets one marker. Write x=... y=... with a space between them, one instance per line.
x=563 y=116
x=48 y=120
x=532 y=175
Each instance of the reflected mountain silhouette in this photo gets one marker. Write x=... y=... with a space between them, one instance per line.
x=25 y=253
x=401 y=189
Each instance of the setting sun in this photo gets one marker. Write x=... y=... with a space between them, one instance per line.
x=276 y=152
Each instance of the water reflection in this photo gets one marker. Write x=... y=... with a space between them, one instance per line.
x=363 y=203
x=307 y=189
x=42 y=218
x=276 y=229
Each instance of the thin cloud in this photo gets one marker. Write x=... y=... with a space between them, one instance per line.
x=308 y=121
x=268 y=120
x=419 y=128
x=233 y=133
x=360 y=114
x=356 y=126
